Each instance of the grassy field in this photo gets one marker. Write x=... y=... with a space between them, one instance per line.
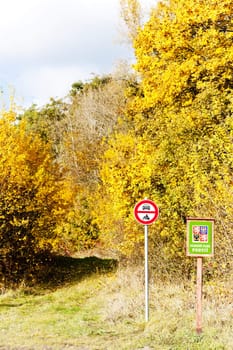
x=96 y=306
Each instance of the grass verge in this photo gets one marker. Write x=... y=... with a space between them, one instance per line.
x=106 y=311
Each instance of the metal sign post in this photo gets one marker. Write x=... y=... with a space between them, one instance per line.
x=146 y=212
x=146 y=275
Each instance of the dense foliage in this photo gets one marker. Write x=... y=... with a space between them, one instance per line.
x=164 y=132
x=34 y=199
x=179 y=148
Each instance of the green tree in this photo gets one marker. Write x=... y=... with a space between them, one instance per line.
x=48 y=122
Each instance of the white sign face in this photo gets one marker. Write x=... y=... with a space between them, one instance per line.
x=146 y=212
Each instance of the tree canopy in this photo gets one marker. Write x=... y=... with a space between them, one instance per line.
x=183 y=116
x=34 y=197
x=73 y=170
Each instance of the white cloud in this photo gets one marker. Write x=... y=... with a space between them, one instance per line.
x=50 y=81
x=38 y=29
x=46 y=45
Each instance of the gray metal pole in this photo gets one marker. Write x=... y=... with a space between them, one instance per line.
x=146 y=276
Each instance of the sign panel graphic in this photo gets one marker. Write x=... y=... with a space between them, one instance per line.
x=200 y=237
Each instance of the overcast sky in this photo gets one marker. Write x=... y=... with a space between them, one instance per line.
x=46 y=45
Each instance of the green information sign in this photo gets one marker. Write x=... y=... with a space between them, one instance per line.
x=200 y=237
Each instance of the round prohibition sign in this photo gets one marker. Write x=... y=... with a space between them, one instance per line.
x=146 y=212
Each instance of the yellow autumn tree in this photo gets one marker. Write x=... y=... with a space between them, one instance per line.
x=125 y=175
x=34 y=198
x=184 y=56
x=183 y=114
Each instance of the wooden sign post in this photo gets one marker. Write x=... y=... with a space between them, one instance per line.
x=199 y=296
x=200 y=243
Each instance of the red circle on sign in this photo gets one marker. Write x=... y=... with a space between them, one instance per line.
x=146 y=212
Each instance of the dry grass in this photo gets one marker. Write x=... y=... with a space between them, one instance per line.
x=107 y=312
